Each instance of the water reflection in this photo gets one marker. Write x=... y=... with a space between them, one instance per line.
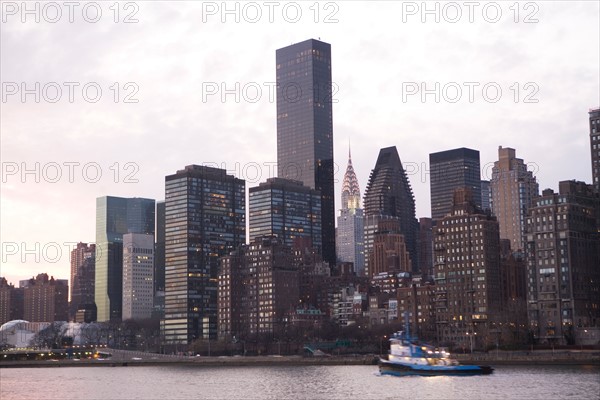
x=286 y=382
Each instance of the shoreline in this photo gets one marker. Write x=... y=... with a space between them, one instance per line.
x=266 y=361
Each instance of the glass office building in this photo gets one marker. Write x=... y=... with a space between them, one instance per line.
x=305 y=126
x=451 y=170
x=286 y=209
x=116 y=216
x=205 y=219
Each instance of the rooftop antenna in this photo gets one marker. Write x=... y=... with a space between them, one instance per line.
x=349 y=152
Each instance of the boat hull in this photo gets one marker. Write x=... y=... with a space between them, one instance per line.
x=398 y=369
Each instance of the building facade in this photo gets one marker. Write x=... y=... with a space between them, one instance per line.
x=513 y=272
x=286 y=209
x=46 y=299
x=389 y=195
x=467 y=273
x=11 y=302
x=595 y=146
x=159 y=255
x=138 y=276
x=486 y=196
x=258 y=286
x=159 y=263
x=563 y=255
x=83 y=275
x=390 y=252
x=350 y=229
x=305 y=126
x=451 y=170
x=425 y=247
x=416 y=299
x=5 y=300
x=514 y=189
x=116 y=216
x=205 y=212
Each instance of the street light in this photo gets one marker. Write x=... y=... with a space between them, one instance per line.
x=471 y=336
x=381 y=344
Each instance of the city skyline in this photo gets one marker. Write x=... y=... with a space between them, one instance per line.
x=558 y=121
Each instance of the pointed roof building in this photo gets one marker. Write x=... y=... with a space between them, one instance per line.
x=350 y=188
x=389 y=194
x=350 y=230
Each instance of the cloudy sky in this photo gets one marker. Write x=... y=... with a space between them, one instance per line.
x=127 y=96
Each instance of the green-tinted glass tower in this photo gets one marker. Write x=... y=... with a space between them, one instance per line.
x=116 y=216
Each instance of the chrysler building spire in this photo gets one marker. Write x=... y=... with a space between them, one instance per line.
x=350 y=188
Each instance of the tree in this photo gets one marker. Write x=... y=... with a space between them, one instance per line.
x=51 y=336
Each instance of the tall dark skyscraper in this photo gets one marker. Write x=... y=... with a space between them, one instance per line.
x=159 y=252
x=595 y=146
x=205 y=213
x=389 y=195
x=116 y=216
x=451 y=170
x=305 y=126
x=286 y=209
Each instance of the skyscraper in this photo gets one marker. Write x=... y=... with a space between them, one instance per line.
x=563 y=255
x=467 y=272
x=159 y=262
x=305 y=126
x=451 y=170
x=116 y=216
x=389 y=196
x=138 y=275
x=205 y=219
x=159 y=255
x=514 y=189
x=287 y=209
x=83 y=266
x=595 y=146
x=350 y=231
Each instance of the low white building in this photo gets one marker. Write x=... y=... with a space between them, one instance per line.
x=19 y=333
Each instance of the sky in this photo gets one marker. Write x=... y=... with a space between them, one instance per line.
x=105 y=98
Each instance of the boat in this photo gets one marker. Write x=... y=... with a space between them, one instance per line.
x=408 y=356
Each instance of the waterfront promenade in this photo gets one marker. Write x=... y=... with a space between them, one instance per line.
x=134 y=358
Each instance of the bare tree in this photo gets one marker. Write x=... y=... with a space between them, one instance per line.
x=51 y=336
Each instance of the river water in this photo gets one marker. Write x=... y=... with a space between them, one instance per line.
x=292 y=382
